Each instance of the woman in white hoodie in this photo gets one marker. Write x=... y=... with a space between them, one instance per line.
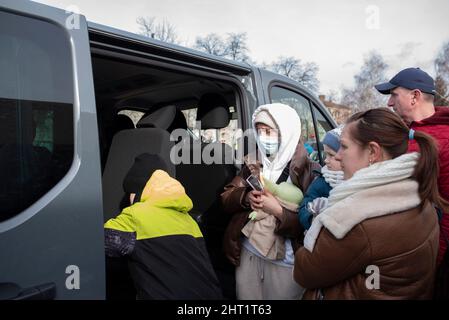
x=277 y=130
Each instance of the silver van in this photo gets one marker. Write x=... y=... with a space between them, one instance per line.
x=77 y=101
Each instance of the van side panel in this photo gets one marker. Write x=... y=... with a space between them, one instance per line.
x=59 y=238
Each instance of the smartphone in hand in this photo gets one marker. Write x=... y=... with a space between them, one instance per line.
x=255 y=183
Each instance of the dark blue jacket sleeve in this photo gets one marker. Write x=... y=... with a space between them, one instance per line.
x=119 y=243
x=319 y=188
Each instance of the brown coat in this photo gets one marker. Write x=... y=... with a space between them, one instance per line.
x=403 y=245
x=233 y=200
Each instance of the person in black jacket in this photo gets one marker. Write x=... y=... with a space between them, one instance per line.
x=166 y=252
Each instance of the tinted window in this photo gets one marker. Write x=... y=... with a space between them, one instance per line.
x=302 y=107
x=36 y=110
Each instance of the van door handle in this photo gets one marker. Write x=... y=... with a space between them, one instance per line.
x=11 y=291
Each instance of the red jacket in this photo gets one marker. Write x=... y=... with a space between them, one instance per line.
x=438 y=127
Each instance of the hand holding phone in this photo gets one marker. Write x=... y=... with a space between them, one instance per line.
x=255 y=183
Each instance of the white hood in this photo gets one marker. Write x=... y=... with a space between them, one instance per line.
x=289 y=125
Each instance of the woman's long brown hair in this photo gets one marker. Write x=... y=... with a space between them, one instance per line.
x=392 y=134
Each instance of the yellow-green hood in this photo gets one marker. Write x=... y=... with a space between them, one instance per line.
x=161 y=190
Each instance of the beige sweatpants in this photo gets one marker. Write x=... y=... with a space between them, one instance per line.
x=258 y=279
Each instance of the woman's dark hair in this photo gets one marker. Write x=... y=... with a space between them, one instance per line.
x=387 y=129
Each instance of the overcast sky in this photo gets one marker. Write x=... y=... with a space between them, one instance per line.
x=335 y=34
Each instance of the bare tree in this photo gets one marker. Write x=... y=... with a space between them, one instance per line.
x=442 y=92
x=147 y=26
x=442 y=76
x=236 y=47
x=304 y=73
x=363 y=95
x=211 y=43
x=163 y=31
x=233 y=47
x=285 y=65
x=307 y=76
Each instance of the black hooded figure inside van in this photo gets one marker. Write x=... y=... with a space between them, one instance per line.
x=167 y=256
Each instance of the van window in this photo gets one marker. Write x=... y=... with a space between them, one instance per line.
x=36 y=110
x=302 y=107
x=135 y=116
x=228 y=135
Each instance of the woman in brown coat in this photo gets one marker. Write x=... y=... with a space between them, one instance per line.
x=378 y=236
x=281 y=157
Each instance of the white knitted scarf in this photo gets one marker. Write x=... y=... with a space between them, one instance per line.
x=382 y=188
x=332 y=177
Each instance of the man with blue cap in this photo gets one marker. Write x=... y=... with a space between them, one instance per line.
x=412 y=92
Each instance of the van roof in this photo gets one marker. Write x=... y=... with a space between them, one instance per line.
x=118 y=33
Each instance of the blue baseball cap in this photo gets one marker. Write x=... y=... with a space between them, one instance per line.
x=410 y=78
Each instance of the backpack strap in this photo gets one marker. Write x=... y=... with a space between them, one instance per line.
x=285 y=173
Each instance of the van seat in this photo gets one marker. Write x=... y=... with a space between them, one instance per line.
x=126 y=146
x=205 y=182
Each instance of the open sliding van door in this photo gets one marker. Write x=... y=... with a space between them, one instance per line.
x=51 y=222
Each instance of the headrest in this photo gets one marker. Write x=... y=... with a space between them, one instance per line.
x=161 y=118
x=144 y=166
x=179 y=122
x=122 y=122
x=213 y=111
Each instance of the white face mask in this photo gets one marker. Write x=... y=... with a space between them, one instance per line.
x=270 y=144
